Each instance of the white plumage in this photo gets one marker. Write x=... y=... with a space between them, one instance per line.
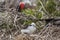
x=30 y=29
x=2 y=0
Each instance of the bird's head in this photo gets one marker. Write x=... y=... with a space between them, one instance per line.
x=33 y=24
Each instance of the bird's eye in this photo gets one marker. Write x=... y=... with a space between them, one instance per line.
x=30 y=25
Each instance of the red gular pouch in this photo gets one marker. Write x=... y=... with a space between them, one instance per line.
x=22 y=5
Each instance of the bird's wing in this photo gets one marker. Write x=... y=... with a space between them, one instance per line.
x=25 y=31
x=31 y=28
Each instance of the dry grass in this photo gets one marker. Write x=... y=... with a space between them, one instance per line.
x=10 y=26
x=47 y=33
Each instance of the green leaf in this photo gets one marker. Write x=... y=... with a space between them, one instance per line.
x=50 y=6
